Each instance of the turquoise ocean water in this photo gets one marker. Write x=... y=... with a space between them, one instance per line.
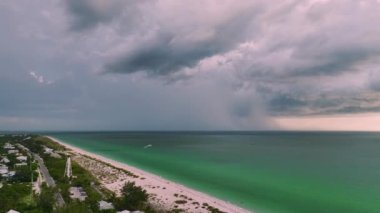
x=261 y=171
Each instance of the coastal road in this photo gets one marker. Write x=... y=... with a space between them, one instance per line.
x=49 y=180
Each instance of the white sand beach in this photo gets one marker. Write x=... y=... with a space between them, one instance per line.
x=164 y=193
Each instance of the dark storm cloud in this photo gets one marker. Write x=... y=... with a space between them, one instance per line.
x=323 y=104
x=159 y=58
x=87 y=14
x=334 y=64
x=230 y=64
x=374 y=80
x=167 y=38
x=285 y=103
x=375 y=86
x=168 y=52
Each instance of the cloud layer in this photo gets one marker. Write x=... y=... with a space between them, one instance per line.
x=227 y=64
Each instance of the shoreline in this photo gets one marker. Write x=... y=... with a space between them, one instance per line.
x=163 y=188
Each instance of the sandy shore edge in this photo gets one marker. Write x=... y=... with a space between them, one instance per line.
x=151 y=179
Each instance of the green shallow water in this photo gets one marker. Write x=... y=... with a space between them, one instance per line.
x=260 y=171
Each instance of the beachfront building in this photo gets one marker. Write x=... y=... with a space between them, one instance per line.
x=12 y=151
x=9 y=174
x=3 y=169
x=22 y=158
x=48 y=150
x=77 y=193
x=27 y=138
x=22 y=147
x=5 y=160
x=103 y=205
x=55 y=155
x=21 y=164
x=8 y=146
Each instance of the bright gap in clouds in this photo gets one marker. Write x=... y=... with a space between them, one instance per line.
x=358 y=122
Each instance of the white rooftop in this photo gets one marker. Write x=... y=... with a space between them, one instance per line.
x=5 y=160
x=103 y=205
x=55 y=155
x=12 y=211
x=3 y=171
x=11 y=151
x=21 y=164
x=47 y=150
x=9 y=174
x=8 y=146
x=22 y=158
x=77 y=193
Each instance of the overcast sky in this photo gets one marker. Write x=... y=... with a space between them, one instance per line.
x=189 y=65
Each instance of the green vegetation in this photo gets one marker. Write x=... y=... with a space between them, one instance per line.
x=133 y=198
x=211 y=208
x=82 y=178
x=56 y=167
x=74 y=206
x=16 y=192
x=24 y=174
x=14 y=196
x=46 y=199
x=180 y=201
x=48 y=143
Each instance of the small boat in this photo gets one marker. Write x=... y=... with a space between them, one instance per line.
x=148 y=146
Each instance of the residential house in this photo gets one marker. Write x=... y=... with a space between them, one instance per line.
x=77 y=193
x=12 y=151
x=8 y=146
x=5 y=160
x=103 y=205
x=22 y=158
